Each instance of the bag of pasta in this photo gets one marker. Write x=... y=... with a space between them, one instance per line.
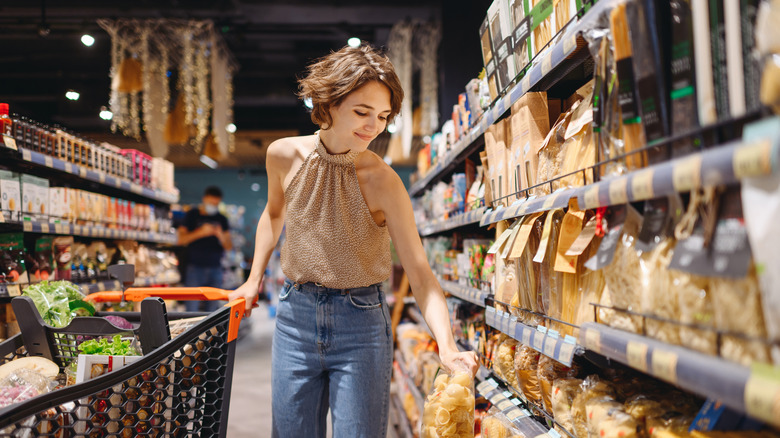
x=497 y=425
x=503 y=361
x=548 y=371
x=526 y=363
x=592 y=388
x=449 y=408
x=564 y=392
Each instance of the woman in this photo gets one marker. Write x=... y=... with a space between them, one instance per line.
x=332 y=346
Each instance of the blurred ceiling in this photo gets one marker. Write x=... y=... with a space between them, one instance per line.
x=42 y=57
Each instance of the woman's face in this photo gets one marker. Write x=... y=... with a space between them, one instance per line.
x=361 y=116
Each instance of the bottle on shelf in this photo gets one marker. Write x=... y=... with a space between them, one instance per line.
x=6 y=123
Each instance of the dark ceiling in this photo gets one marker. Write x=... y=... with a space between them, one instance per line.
x=272 y=41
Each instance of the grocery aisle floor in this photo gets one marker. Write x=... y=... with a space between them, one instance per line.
x=250 y=402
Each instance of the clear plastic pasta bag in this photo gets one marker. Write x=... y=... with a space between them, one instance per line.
x=526 y=364
x=504 y=360
x=449 y=407
x=548 y=371
x=497 y=425
x=592 y=388
x=563 y=394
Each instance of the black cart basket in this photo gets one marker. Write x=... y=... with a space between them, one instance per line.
x=179 y=388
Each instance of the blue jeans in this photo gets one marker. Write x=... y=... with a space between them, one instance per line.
x=203 y=276
x=332 y=348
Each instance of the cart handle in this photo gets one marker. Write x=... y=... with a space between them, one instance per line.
x=237 y=307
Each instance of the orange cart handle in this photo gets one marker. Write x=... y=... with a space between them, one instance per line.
x=168 y=293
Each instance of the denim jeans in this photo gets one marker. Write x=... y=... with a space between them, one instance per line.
x=332 y=348
x=203 y=276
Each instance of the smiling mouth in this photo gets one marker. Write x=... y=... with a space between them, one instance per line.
x=363 y=137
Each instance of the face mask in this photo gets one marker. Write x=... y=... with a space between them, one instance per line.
x=210 y=209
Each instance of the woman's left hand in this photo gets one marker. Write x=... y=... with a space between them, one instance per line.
x=460 y=360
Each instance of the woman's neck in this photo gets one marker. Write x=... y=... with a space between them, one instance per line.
x=332 y=144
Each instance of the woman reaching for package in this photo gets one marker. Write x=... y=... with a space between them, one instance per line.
x=332 y=346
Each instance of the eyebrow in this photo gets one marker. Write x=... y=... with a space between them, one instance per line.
x=369 y=107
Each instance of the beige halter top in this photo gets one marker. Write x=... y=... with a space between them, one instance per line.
x=331 y=237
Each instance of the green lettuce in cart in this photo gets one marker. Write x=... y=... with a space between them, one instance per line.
x=54 y=299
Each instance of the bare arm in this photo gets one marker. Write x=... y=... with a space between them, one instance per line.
x=426 y=289
x=270 y=225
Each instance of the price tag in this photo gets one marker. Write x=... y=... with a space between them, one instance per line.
x=592 y=198
x=526 y=83
x=753 y=160
x=618 y=191
x=47 y=161
x=549 y=347
x=569 y=44
x=28 y=226
x=549 y=201
x=516 y=402
x=686 y=175
x=514 y=414
x=68 y=167
x=642 y=185
x=762 y=393
x=505 y=405
x=637 y=355
x=10 y=142
x=59 y=229
x=566 y=355
x=44 y=228
x=553 y=434
x=507 y=394
x=26 y=155
x=527 y=332
x=538 y=342
x=546 y=64
x=102 y=177
x=135 y=188
x=82 y=172
x=14 y=290
x=593 y=340
x=665 y=365
x=484 y=387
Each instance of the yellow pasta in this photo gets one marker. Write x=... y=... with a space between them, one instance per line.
x=449 y=409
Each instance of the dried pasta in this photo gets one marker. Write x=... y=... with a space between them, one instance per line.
x=526 y=363
x=695 y=303
x=597 y=411
x=503 y=363
x=449 y=409
x=547 y=373
x=591 y=285
x=737 y=306
x=592 y=388
x=658 y=295
x=624 y=283
x=563 y=394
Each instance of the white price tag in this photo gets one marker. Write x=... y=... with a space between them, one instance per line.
x=9 y=142
x=102 y=177
x=82 y=172
x=44 y=228
x=26 y=155
x=637 y=355
x=47 y=161
x=642 y=185
x=547 y=64
x=538 y=341
x=593 y=340
x=549 y=346
x=527 y=332
x=68 y=167
x=569 y=44
x=665 y=365
x=618 y=191
x=28 y=226
x=566 y=355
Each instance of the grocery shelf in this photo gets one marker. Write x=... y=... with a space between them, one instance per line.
x=34 y=226
x=567 y=53
x=545 y=341
x=524 y=206
x=510 y=405
x=466 y=293
x=461 y=220
x=753 y=391
x=413 y=389
x=96 y=176
x=403 y=420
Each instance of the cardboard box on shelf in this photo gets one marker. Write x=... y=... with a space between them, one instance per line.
x=10 y=195
x=35 y=195
x=530 y=125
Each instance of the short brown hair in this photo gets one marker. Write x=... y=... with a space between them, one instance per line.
x=330 y=79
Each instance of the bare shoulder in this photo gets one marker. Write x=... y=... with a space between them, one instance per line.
x=284 y=151
x=377 y=175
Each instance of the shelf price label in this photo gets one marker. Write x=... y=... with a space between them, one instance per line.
x=569 y=44
x=664 y=365
x=642 y=185
x=26 y=155
x=45 y=228
x=28 y=226
x=547 y=64
x=549 y=346
x=102 y=177
x=618 y=191
x=47 y=161
x=566 y=355
x=592 y=197
x=538 y=342
x=686 y=175
x=68 y=167
x=762 y=394
x=526 y=83
x=82 y=172
x=753 y=160
x=593 y=340
x=9 y=142
x=527 y=332
x=637 y=355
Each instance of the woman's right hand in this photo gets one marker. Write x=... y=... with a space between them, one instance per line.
x=248 y=291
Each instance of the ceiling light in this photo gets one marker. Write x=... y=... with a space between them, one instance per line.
x=354 y=42
x=308 y=103
x=106 y=114
x=391 y=128
x=255 y=187
x=231 y=128
x=88 y=40
x=72 y=95
x=208 y=162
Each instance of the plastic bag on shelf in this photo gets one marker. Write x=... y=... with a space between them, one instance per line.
x=598 y=410
x=551 y=155
x=503 y=362
x=617 y=425
x=641 y=408
x=449 y=408
x=563 y=394
x=590 y=285
x=526 y=364
x=548 y=371
x=695 y=303
x=659 y=296
x=592 y=388
x=551 y=281
x=497 y=425
x=737 y=305
x=624 y=280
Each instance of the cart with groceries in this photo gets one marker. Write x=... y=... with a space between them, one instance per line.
x=117 y=374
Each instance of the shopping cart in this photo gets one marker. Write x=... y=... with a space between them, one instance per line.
x=179 y=388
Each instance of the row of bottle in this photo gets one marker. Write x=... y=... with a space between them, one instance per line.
x=61 y=144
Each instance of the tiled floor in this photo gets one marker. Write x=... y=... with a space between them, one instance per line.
x=250 y=402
